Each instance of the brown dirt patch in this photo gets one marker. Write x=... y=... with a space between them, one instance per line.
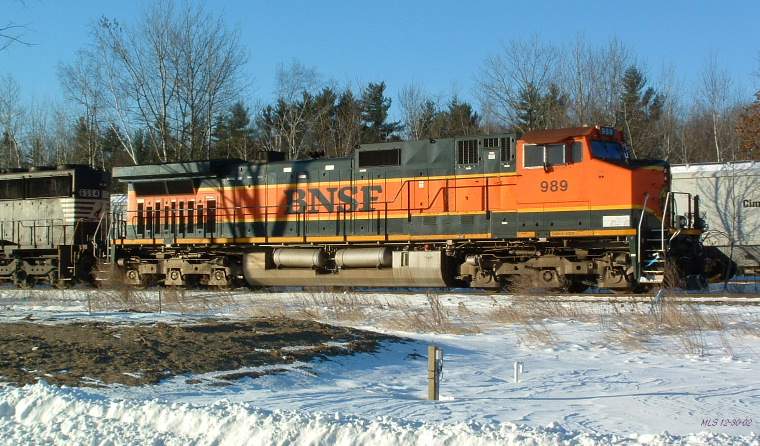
x=95 y=353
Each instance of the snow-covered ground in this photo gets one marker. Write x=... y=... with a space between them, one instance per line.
x=583 y=382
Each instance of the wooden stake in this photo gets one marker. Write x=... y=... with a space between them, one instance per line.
x=434 y=354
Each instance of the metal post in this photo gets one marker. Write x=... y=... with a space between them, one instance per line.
x=518 y=371
x=435 y=364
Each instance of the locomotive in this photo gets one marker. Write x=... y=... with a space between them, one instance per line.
x=558 y=209
x=52 y=224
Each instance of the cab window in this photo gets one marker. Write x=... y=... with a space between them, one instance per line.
x=552 y=154
x=608 y=150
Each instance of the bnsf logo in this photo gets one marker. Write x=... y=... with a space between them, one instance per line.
x=324 y=200
x=89 y=193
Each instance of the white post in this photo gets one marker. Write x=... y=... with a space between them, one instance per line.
x=518 y=370
x=515 y=375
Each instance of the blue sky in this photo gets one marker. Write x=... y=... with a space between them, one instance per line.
x=438 y=44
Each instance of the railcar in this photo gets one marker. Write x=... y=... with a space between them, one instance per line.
x=52 y=223
x=559 y=209
x=730 y=209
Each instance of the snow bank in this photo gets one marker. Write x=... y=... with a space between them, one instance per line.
x=41 y=413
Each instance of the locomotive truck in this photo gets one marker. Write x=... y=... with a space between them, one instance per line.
x=559 y=209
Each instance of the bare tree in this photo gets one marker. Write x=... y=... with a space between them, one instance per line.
x=61 y=137
x=715 y=99
x=169 y=73
x=11 y=33
x=82 y=82
x=521 y=66
x=37 y=137
x=582 y=78
x=11 y=119
x=415 y=104
x=669 y=125
x=592 y=76
x=296 y=85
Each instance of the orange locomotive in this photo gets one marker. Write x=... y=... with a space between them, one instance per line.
x=561 y=209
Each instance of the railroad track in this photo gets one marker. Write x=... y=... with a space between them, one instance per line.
x=715 y=298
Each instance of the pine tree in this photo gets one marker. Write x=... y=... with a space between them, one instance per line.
x=459 y=119
x=640 y=110
x=348 y=127
x=538 y=110
x=529 y=111
x=374 y=115
x=233 y=135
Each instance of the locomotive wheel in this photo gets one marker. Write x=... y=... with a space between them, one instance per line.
x=575 y=286
x=20 y=279
x=131 y=275
x=55 y=282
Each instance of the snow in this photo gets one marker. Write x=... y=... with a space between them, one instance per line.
x=40 y=413
x=580 y=387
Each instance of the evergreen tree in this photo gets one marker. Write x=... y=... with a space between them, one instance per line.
x=239 y=132
x=640 y=110
x=111 y=144
x=322 y=123
x=459 y=119
x=555 y=104
x=537 y=110
x=348 y=127
x=529 y=113
x=374 y=115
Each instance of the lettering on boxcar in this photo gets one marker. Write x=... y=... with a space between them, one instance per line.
x=324 y=200
x=750 y=204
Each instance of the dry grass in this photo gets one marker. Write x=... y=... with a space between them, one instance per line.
x=433 y=319
x=636 y=326
x=271 y=310
x=749 y=327
x=530 y=309
x=122 y=299
x=538 y=334
x=169 y=299
x=339 y=306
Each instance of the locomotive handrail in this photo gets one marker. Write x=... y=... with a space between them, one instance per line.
x=265 y=210
x=667 y=200
x=638 y=232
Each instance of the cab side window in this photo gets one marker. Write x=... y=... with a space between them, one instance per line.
x=555 y=154
x=535 y=155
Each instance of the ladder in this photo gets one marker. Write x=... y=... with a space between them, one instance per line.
x=654 y=255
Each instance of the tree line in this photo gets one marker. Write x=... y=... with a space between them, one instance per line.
x=167 y=87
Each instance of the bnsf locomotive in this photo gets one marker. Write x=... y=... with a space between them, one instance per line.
x=560 y=209
x=52 y=224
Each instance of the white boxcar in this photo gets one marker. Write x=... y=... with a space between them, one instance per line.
x=730 y=205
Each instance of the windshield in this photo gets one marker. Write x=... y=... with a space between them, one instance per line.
x=608 y=150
